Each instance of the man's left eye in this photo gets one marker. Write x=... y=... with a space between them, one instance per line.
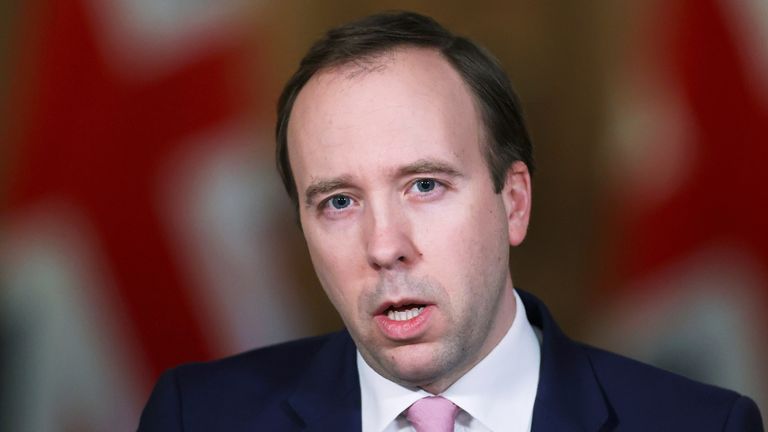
x=425 y=185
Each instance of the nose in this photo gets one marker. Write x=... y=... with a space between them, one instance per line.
x=389 y=243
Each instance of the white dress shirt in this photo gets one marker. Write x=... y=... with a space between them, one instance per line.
x=496 y=395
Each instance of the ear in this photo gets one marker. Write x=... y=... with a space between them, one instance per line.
x=516 y=196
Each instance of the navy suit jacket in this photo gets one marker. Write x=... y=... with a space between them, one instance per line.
x=312 y=384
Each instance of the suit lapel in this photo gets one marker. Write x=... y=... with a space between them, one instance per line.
x=569 y=396
x=328 y=397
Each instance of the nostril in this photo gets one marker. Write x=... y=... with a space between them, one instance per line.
x=401 y=258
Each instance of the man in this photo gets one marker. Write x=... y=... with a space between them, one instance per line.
x=405 y=154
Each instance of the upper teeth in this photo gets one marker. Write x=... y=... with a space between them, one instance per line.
x=404 y=315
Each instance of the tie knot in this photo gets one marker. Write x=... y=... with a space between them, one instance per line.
x=432 y=414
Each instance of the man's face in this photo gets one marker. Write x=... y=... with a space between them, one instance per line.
x=406 y=234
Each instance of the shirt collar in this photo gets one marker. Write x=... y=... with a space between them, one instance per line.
x=498 y=392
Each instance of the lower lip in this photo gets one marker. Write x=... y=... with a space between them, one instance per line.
x=405 y=330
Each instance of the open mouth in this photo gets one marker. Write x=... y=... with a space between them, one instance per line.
x=405 y=319
x=404 y=312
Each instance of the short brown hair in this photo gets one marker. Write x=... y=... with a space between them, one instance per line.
x=500 y=109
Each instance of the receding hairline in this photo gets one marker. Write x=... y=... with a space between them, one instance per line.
x=378 y=62
x=357 y=43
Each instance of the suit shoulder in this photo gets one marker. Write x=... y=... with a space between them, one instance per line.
x=233 y=393
x=257 y=378
x=639 y=393
x=269 y=366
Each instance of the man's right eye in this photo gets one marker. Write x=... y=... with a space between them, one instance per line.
x=340 y=202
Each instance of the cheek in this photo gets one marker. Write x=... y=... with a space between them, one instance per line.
x=469 y=248
x=466 y=231
x=335 y=266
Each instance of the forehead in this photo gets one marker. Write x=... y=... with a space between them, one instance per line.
x=404 y=105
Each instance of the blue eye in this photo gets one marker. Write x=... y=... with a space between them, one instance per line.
x=425 y=185
x=339 y=202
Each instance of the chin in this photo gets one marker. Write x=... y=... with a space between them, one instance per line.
x=415 y=366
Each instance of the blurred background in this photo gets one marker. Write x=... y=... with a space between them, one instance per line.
x=143 y=223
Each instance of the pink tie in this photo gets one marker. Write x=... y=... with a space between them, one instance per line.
x=432 y=414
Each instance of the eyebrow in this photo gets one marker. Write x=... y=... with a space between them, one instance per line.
x=322 y=187
x=429 y=166
x=422 y=166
